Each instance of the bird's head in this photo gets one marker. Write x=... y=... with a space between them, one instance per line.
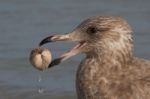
x=96 y=36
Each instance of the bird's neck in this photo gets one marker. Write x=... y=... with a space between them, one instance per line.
x=111 y=57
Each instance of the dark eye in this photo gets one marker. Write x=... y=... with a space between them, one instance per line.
x=92 y=30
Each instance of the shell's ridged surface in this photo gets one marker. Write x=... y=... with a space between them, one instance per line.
x=40 y=58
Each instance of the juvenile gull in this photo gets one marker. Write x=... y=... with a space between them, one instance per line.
x=109 y=70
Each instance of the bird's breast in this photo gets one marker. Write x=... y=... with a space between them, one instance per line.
x=87 y=79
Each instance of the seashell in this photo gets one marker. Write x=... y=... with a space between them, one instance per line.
x=40 y=58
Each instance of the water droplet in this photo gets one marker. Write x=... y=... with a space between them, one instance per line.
x=40 y=90
x=40 y=78
x=40 y=87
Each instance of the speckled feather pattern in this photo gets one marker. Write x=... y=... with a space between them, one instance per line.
x=110 y=70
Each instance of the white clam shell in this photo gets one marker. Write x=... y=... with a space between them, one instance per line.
x=40 y=58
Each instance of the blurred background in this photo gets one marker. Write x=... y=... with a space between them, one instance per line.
x=24 y=23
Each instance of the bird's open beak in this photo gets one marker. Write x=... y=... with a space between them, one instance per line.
x=67 y=37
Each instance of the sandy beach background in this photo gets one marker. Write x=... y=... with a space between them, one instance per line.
x=24 y=23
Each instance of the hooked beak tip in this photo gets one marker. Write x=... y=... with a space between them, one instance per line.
x=42 y=43
x=46 y=40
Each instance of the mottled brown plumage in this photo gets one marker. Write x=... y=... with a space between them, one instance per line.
x=109 y=70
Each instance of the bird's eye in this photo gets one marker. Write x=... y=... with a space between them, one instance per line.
x=92 y=30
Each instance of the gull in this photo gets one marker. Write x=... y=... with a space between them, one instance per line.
x=109 y=70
